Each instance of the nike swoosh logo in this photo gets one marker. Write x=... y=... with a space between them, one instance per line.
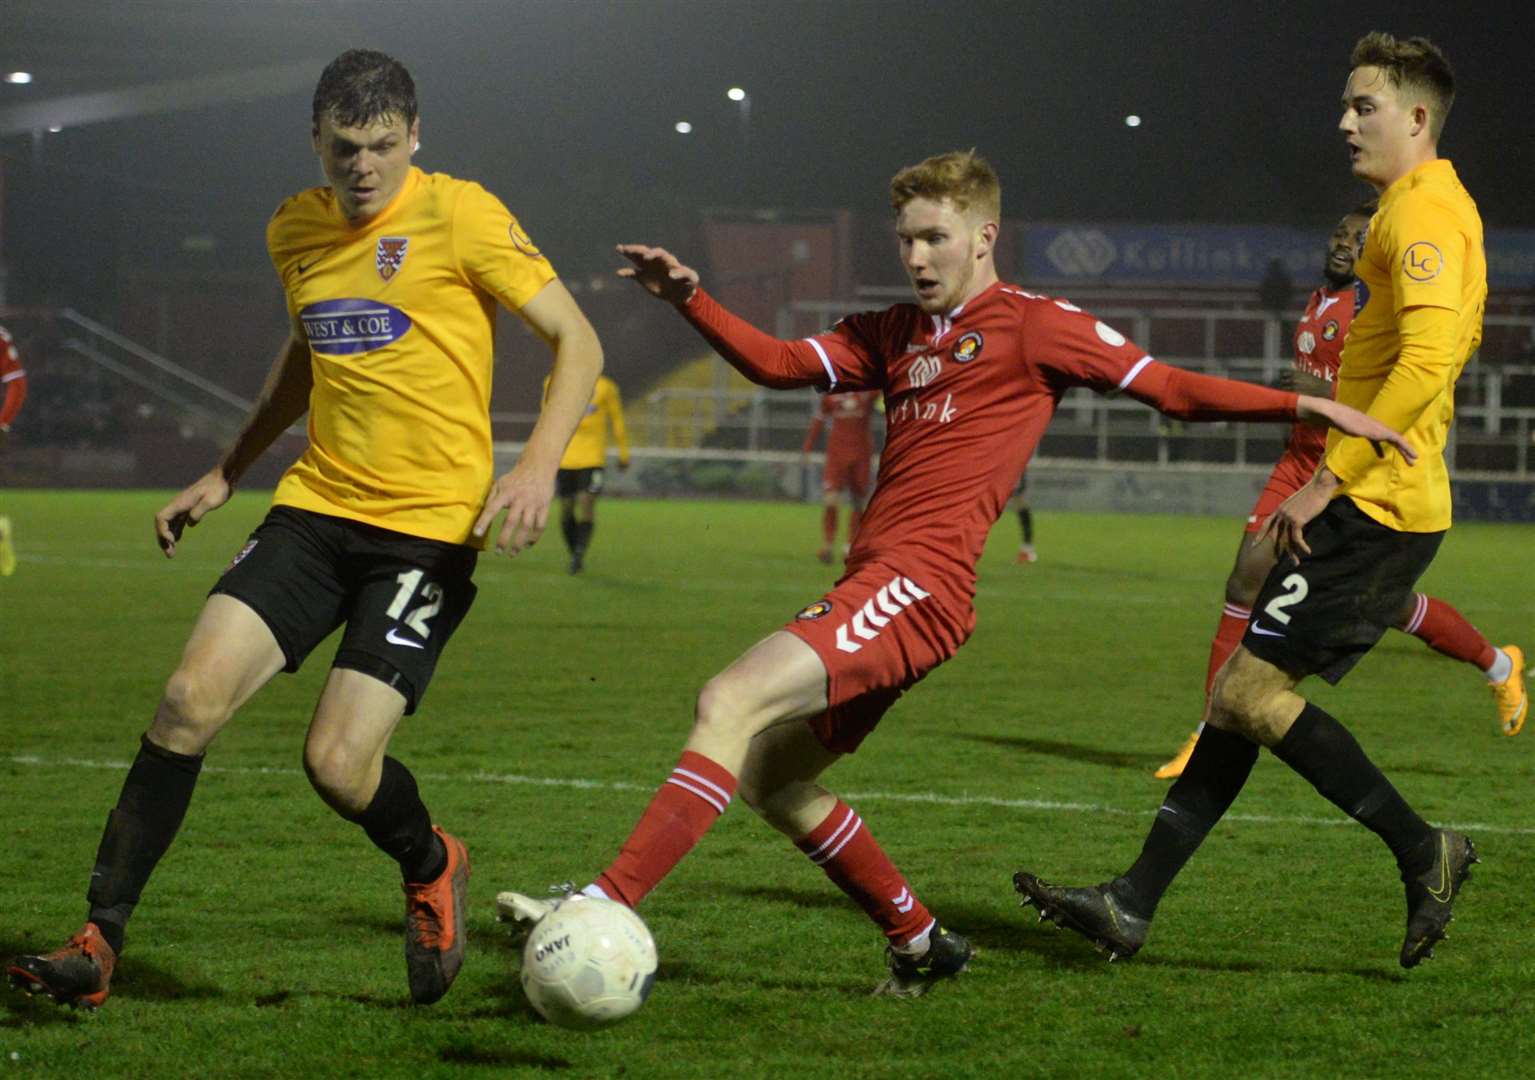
x=1255 y=628
x=1442 y=894
x=394 y=638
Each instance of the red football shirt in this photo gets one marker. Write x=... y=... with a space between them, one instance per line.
x=967 y=397
x=1318 y=349
x=13 y=380
x=846 y=418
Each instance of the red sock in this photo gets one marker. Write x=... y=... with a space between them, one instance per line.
x=853 y=518
x=852 y=858
x=1443 y=629
x=1228 y=635
x=693 y=797
x=829 y=524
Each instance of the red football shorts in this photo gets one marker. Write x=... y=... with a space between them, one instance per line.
x=850 y=473
x=1291 y=473
x=878 y=633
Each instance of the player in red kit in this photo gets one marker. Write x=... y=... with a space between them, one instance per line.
x=849 y=451
x=971 y=373
x=13 y=391
x=1319 y=340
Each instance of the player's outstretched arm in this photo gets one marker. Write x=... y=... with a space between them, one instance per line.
x=659 y=273
x=525 y=491
x=762 y=358
x=1350 y=421
x=284 y=398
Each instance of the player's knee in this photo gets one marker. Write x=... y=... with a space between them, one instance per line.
x=1242 y=588
x=336 y=774
x=724 y=710
x=191 y=712
x=1242 y=705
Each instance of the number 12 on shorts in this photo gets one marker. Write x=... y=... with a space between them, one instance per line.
x=431 y=597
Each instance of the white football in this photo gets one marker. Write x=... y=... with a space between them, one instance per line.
x=588 y=963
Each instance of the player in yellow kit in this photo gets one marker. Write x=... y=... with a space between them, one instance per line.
x=392 y=277
x=1357 y=536
x=579 y=481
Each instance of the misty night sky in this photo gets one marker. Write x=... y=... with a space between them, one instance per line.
x=565 y=109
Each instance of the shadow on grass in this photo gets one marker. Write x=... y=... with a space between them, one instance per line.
x=463 y=1054
x=136 y=979
x=1117 y=759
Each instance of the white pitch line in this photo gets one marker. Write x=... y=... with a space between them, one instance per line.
x=926 y=797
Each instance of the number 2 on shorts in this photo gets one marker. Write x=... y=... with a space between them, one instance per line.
x=1295 y=591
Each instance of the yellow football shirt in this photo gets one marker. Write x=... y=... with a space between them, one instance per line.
x=588 y=448
x=400 y=315
x=1426 y=271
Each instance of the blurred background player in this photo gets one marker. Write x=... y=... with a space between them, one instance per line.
x=1319 y=338
x=1353 y=541
x=971 y=372
x=392 y=278
x=849 y=453
x=579 y=480
x=1019 y=503
x=13 y=391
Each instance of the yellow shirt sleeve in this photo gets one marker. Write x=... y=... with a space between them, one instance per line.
x=1427 y=247
x=494 y=251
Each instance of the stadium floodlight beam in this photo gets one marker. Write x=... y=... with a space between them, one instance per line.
x=1132 y=121
x=735 y=93
x=19 y=78
x=682 y=127
x=54 y=129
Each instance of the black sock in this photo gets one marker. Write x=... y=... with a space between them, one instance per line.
x=139 y=830
x=568 y=530
x=1026 y=521
x=1210 y=782
x=584 y=531
x=1323 y=751
x=398 y=824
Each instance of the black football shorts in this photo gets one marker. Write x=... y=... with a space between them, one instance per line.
x=400 y=597
x=1320 y=615
x=568 y=483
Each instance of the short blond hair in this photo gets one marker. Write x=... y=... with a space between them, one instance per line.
x=1414 y=64
x=961 y=176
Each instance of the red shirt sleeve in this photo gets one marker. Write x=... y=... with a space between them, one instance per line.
x=1072 y=348
x=762 y=358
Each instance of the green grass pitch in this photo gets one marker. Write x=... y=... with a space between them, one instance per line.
x=269 y=941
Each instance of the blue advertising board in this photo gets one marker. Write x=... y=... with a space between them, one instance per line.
x=1215 y=254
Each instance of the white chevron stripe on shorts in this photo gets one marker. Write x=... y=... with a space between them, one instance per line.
x=892 y=599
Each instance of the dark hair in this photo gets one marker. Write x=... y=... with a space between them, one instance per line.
x=1364 y=209
x=1416 y=65
x=361 y=86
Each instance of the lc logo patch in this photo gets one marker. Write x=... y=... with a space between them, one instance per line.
x=522 y=241
x=968 y=347
x=390 y=254
x=1422 y=261
x=1330 y=331
x=818 y=610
